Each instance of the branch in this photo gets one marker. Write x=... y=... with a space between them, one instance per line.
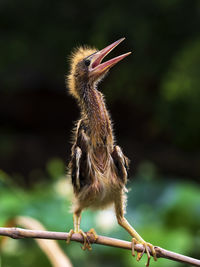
x=17 y=233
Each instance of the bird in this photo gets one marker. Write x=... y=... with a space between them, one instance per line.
x=98 y=167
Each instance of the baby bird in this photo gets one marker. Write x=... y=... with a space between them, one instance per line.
x=98 y=167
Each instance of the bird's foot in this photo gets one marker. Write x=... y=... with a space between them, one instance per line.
x=92 y=235
x=71 y=232
x=86 y=243
x=148 y=248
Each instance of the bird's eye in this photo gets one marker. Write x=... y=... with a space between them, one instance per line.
x=87 y=62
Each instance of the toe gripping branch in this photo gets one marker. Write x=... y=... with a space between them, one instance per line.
x=147 y=247
x=89 y=238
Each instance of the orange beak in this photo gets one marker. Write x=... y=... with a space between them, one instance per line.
x=98 y=68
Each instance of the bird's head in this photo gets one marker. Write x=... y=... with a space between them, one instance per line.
x=87 y=67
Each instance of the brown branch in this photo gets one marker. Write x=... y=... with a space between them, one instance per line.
x=102 y=240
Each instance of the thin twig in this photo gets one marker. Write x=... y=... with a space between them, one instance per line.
x=101 y=240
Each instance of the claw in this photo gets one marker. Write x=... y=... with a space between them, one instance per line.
x=94 y=234
x=140 y=254
x=71 y=232
x=86 y=243
x=153 y=252
x=146 y=247
x=133 y=246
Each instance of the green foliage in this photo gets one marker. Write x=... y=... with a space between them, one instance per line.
x=179 y=104
x=55 y=168
x=164 y=213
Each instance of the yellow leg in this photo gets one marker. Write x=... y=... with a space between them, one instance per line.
x=77 y=230
x=136 y=237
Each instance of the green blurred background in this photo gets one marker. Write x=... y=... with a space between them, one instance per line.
x=154 y=100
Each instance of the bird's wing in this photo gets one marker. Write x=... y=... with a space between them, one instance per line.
x=121 y=163
x=75 y=167
x=78 y=164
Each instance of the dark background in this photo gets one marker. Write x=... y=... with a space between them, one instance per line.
x=153 y=95
x=154 y=107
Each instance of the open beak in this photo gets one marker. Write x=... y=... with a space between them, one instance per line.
x=97 y=68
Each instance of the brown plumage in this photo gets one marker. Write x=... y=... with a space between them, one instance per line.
x=98 y=167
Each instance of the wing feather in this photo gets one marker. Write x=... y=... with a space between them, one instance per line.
x=121 y=163
x=78 y=163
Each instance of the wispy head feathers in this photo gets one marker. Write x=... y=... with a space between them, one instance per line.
x=77 y=56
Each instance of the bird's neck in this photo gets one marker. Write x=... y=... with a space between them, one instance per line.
x=99 y=124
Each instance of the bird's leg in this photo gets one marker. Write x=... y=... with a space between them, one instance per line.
x=77 y=230
x=136 y=237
